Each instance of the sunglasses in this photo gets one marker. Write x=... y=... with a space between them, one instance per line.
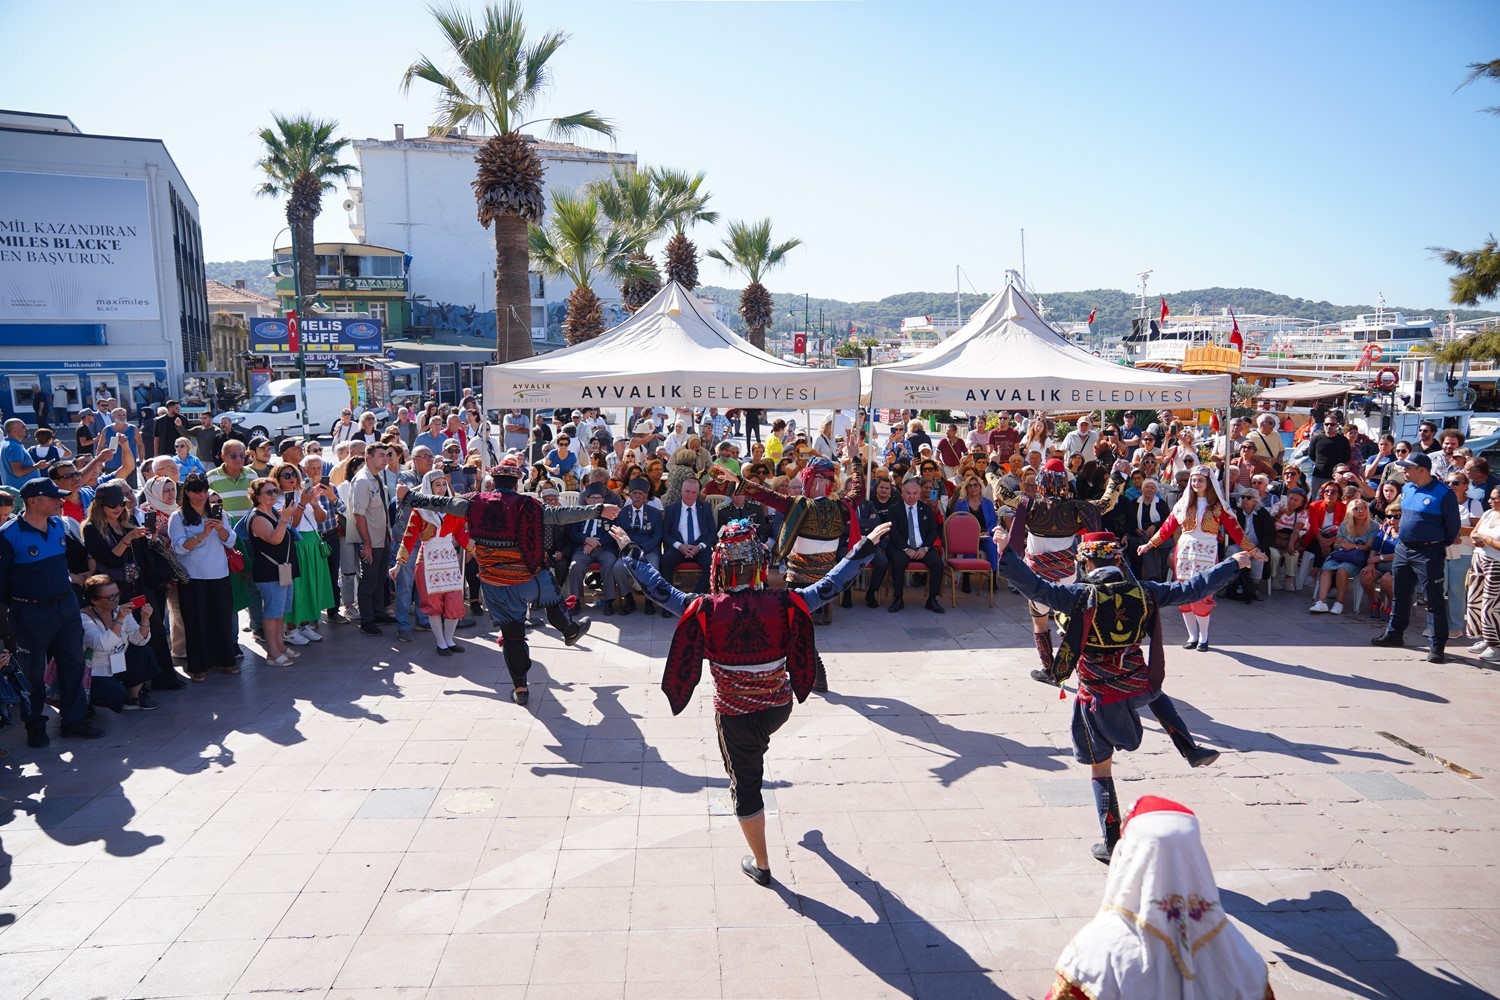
x=289 y=475
x=268 y=492
x=1403 y=451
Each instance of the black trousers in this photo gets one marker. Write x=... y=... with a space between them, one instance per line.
x=879 y=566
x=335 y=544
x=371 y=590
x=54 y=630
x=743 y=742
x=671 y=558
x=933 y=560
x=209 y=621
x=1425 y=565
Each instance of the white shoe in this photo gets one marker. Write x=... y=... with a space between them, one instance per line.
x=1480 y=647
x=1337 y=609
x=1490 y=655
x=310 y=634
x=281 y=661
x=291 y=653
x=294 y=637
x=1319 y=608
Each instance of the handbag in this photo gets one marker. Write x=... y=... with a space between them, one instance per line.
x=236 y=559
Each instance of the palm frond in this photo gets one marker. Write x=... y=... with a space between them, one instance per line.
x=750 y=251
x=1478 y=277
x=301 y=149
x=1481 y=70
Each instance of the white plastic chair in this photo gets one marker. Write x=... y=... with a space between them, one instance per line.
x=568 y=498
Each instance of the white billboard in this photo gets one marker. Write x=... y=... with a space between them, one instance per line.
x=75 y=248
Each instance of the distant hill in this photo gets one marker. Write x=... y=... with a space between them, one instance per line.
x=1115 y=308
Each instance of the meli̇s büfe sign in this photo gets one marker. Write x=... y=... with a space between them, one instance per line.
x=76 y=248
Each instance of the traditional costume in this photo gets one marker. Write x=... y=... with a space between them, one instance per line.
x=759 y=646
x=506 y=529
x=439 y=541
x=1161 y=931
x=817 y=528
x=1106 y=617
x=1201 y=519
x=1053 y=520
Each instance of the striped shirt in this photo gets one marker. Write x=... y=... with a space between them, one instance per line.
x=235 y=492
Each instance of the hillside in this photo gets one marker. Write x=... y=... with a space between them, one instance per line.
x=1115 y=307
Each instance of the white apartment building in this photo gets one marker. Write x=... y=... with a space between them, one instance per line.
x=416 y=194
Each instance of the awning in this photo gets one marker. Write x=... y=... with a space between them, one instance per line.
x=1307 y=391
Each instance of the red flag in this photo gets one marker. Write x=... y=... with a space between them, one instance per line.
x=293 y=334
x=1091 y=315
x=1164 y=309
x=1234 y=335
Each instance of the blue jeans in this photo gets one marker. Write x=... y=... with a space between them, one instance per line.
x=1457 y=569
x=1422 y=566
x=406 y=585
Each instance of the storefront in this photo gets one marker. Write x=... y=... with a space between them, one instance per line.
x=78 y=382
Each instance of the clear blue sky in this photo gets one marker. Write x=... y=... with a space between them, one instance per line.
x=1314 y=149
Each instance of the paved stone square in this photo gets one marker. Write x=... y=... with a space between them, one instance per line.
x=377 y=822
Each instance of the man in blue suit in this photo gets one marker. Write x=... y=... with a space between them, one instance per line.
x=591 y=543
x=643 y=524
x=690 y=535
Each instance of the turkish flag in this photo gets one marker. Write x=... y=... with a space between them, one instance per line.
x=799 y=343
x=1164 y=309
x=1234 y=335
x=292 y=333
x=1091 y=315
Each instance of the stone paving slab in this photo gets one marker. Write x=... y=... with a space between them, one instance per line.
x=377 y=822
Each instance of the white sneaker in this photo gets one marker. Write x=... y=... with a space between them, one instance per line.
x=1480 y=647
x=310 y=634
x=1337 y=609
x=294 y=637
x=1319 y=608
x=1490 y=655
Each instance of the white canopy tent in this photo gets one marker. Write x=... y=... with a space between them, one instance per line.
x=1007 y=357
x=674 y=353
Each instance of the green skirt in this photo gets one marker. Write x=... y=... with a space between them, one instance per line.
x=312 y=593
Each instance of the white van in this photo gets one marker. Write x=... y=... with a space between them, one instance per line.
x=274 y=411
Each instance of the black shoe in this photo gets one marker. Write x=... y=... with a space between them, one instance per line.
x=871 y=601
x=1203 y=646
x=520 y=696
x=1190 y=644
x=444 y=651
x=847 y=601
x=1202 y=757
x=1389 y=640
x=1043 y=677
x=82 y=730
x=606 y=608
x=1102 y=852
x=475 y=609
x=455 y=648
x=36 y=736
x=385 y=619
x=896 y=605
x=1436 y=656
x=627 y=607
x=760 y=876
x=578 y=633
x=935 y=606
x=650 y=608
x=141 y=702
x=370 y=628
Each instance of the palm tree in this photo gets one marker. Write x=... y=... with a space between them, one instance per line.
x=686 y=203
x=578 y=244
x=1478 y=276
x=301 y=160
x=498 y=79
x=751 y=252
x=630 y=203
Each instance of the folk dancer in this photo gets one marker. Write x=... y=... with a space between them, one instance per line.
x=1107 y=616
x=506 y=528
x=1201 y=515
x=760 y=648
x=1053 y=520
x=817 y=529
x=427 y=533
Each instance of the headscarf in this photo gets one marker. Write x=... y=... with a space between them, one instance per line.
x=817 y=467
x=1161 y=930
x=739 y=560
x=153 y=496
x=1187 y=505
x=434 y=517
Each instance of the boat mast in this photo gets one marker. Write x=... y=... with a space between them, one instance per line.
x=1145 y=319
x=958 y=293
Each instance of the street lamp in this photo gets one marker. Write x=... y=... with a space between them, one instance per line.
x=297 y=317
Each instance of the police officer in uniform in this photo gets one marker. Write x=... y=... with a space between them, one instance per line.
x=44 y=613
x=1429 y=524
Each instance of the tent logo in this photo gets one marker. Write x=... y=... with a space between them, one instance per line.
x=531 y=391
x=920 y=393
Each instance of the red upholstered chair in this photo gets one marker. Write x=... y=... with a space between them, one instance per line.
x=962 y=554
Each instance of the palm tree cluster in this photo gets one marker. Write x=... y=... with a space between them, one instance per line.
x=498 y=75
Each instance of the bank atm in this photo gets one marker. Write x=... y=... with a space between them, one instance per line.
x=22 y=389
x=72 y=397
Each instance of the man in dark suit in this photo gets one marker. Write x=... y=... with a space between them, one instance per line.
x=914 y=537
x=591 y=543
x=741 y=508
x=643 y=524
x=1260 y=531
x=690 y=534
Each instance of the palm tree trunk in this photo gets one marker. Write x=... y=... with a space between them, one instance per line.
x=302 y=210
x=512 y=289
x=758 y=336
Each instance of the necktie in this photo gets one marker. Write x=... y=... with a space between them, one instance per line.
x=916 y=529
x=638 y=524
x=692 y=525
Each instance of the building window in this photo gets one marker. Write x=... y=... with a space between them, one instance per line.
x=538 y=287
x=343 y=306
x=378 y=311
x=382 y=267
